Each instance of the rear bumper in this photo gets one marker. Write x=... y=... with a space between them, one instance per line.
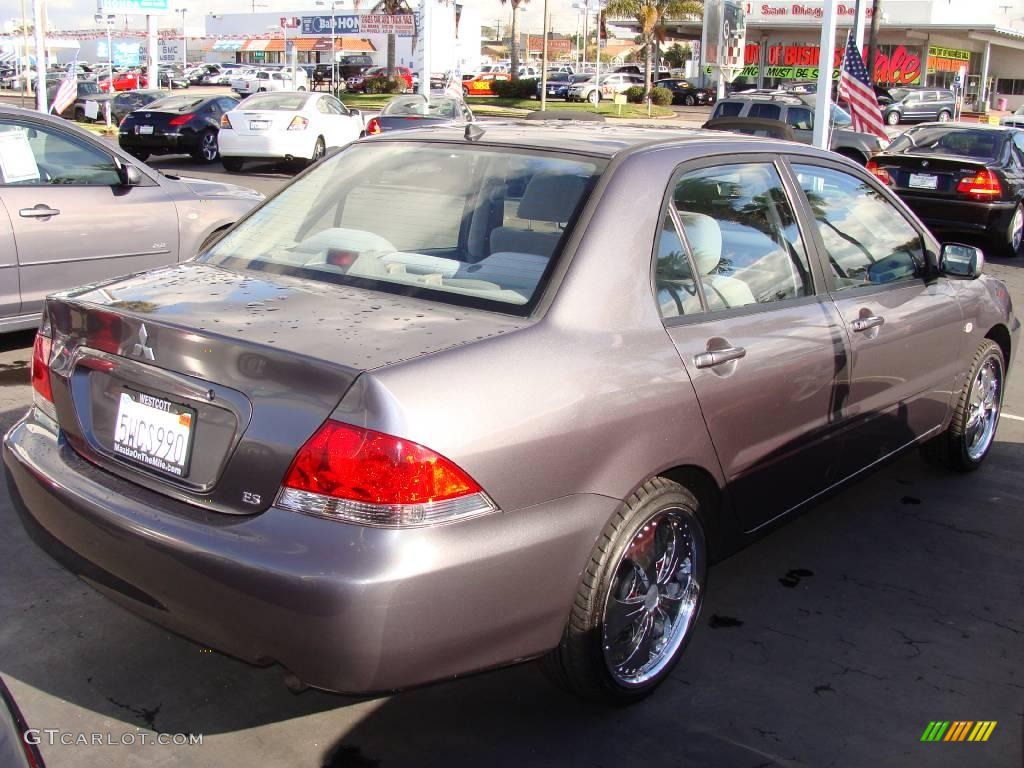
x=272 y=145
x=961 y=217
x=345 y=608
x=163 y=143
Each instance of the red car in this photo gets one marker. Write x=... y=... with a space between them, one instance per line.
x=483 y=84
x=358 y=82
x=125 y=81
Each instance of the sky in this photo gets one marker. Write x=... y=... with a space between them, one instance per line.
x=78 y=14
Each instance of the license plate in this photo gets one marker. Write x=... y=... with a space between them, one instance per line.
x=144 y=129
x=923 y=181
x=258 y=125
x=155 y=432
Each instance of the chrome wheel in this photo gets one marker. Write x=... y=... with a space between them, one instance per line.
x=983 y=408
x=1016 y=229
x=653 y=598
x=208 y=149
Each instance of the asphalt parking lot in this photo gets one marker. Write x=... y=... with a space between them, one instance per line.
x=833 y=641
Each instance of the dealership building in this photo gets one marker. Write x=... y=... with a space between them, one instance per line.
x=921 y=42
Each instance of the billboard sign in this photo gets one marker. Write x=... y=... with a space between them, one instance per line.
x=135 y=6
x=403 y=25
x=170 y=51
x=126 y=54
x=342 y=23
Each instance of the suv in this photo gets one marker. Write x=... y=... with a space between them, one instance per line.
x=271 y=80
x=919 y=104
x=798 y=113
x=612 y=84
x=353 y=66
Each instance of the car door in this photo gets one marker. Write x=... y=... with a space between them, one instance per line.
x=903 y=321
x=351 y=124
x=73 y=222
x=10 y=288
x=764 y=347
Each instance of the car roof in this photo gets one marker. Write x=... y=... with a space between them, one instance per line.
x=594 y=139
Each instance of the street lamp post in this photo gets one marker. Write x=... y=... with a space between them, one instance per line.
x=184 y=42
x=334 y=33
x=108 y=20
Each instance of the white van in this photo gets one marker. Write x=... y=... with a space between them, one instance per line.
x=271 y=80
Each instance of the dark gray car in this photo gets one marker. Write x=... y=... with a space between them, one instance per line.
x=75 y=209
x=797 y=111
x=916 y=105
x=515 y=418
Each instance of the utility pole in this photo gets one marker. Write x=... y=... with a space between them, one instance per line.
x=40 y=22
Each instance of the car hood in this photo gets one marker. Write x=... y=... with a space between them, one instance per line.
x=203 y=188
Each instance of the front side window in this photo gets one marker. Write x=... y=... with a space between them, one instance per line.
x=742 y=236
x=867 y=239
x=800 y=118
x=452 y=223
x=33 y=155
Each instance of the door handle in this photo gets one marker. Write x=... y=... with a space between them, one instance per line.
x=38 y=212
x=719 y=356
x=862 y=324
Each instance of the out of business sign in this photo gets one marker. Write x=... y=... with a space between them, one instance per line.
x=136 y=6
x=339 y=24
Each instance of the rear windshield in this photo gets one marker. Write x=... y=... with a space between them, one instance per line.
x=283 y=101
x=955 y=142
x=469 y=225
x=415 y=105
x=177 y=103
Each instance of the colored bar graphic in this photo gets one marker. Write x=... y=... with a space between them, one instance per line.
x=958 y=730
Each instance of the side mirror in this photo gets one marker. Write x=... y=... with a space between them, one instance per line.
x=129 y=175
x=355 y=112
x=961 y=261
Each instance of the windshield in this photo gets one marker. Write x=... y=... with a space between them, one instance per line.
x=415 y=105
x=978 y=144
x=898 y=94
x=840 y=116
x=281 y=100
x=468 y=225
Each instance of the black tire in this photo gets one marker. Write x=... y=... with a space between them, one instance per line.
x=945 y=116
x=465 y=93
x=232 y=164
x=79 y=115
x=689 y=100
x=892 y=118
x=319 y=150
x=208 y=151
x=962 y=448
x=581 y=663
x=594 y=97
x=1007 y=243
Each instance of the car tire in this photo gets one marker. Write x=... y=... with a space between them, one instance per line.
x=319 y=150
x=594 y=97
x=892 y=118
x=612 y=606
x=301 y=88
x=79 y=115
x=965 y=444
x=945 y=116
x=208 y=151
x=688 y=100
x=1007 y=243
x=232 y=164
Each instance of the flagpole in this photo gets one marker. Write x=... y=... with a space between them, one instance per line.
x=823 y=102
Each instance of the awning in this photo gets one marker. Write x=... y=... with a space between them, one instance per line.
x=257 y=45
x=228 y=45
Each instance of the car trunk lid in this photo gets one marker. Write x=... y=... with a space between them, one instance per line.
x=251 y=365
x=929 y=175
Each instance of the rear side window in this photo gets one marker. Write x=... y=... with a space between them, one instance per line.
x=464 y=225
x=765 y=111
x=728 y=109
x=800 y=118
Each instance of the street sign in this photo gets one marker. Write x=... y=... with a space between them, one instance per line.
x=344 y=24
x=170 y=51
x=135 y=6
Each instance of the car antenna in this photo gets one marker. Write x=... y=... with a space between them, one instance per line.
x=473 y=132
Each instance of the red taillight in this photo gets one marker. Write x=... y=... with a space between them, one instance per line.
x=373 y=127
x=341 y=258
x=984 y=185
x=298 y=123
x=41 y=367
x=878 y=172
x=350 y=462
x=225 y=124
x=363 y=476
x=180 y=119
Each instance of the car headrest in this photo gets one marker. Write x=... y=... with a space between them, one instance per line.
x=705 y=239
x=551 y=198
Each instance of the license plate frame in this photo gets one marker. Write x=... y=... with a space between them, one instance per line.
x=164 y=412
x=923 y=181
x=144 y=130
x=259 y=125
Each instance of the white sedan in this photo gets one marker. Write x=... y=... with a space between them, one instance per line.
x=286 y=125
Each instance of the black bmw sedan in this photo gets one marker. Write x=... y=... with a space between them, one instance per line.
x=962 y=179
x=176 y=125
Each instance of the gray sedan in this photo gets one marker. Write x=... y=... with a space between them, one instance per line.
x=517 y=421
x=76 y=210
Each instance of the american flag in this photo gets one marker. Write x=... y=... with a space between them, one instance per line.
x=856 y=88
x=68 y=91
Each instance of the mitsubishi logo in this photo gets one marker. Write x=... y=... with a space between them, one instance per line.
x=142 y=349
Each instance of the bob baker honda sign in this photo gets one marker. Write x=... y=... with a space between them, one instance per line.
x=402 y=24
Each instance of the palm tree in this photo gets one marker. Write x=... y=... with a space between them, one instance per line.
x=392 y=8
x=514 y=48
x=650 y=14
